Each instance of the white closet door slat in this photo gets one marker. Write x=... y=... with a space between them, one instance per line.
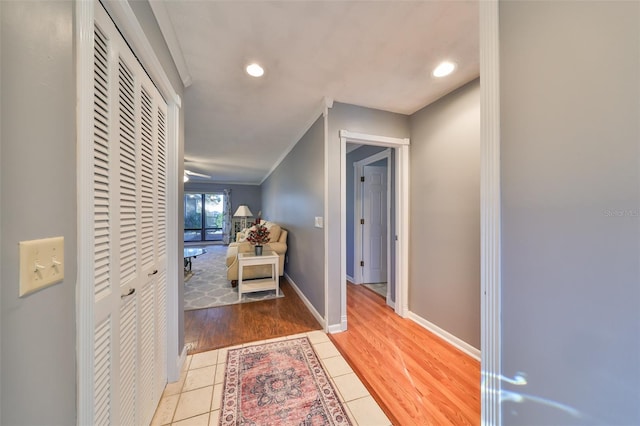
x=102 y=374
x=101 y=223
x=128 y=178
x=147 y=351
x=128 y=362
x=147 y=183
x=161 y=197
x=129 y=160
x=161 y=334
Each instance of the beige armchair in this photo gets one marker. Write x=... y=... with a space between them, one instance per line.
x=278 y=244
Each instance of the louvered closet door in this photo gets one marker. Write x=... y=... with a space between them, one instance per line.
x=129 y=233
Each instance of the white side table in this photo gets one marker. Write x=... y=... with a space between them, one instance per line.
x=262 y=284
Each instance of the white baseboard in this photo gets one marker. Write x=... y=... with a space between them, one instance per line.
x=445 y=335
x=308 y=304
x=335 y=328
x=350 y=278
x=179 y=363
x=338 y=328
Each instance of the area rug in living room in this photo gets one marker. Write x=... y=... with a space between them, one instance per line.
x=280 y=382
x=208 y=286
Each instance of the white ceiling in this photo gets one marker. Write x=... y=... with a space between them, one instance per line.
x=377 y=54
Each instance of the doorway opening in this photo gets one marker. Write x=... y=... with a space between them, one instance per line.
x=370 y=211
x=397 y=217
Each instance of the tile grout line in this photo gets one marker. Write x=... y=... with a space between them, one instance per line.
x=221 y=364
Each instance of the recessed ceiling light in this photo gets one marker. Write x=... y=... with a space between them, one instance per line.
x=255 y=70
x=444 y=69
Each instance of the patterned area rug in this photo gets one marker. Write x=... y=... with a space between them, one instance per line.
x=208 y=286
x=279 y=383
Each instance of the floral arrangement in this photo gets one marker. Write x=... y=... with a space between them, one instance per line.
x=258 y=233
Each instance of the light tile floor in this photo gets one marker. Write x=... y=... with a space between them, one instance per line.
x=195 y=399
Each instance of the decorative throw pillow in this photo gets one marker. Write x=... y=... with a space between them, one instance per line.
x=274 y=231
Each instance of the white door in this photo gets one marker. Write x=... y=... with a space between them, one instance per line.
x=374 y=231
x=129 y=232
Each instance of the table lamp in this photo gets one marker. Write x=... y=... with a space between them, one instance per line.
x=243 y=212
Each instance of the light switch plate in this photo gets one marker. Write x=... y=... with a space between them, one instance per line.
x=318 y=222
x=41 y=264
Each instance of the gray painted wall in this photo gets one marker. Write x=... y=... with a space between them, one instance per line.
x=570 y=96
x=293 y=195
x=444 y=259
x=251 y=195
x=38 y=200
x=354 y=119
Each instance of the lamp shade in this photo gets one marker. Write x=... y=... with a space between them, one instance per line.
x=243 y=211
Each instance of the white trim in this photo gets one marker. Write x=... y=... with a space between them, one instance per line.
x=85 y=319
x=338 y=328
x=343 y=233
x=490 y=262
x=365 y=139
x=306 y=302
x=175 y=274
x=445 y=335
x=320 y=111
x=325 y=116
x=127 y=23
x=402 y=189
x=401 y=147
x=358 y=170
x=180 y=362
x=1 y=222
x=168 y=32
x=350 y=278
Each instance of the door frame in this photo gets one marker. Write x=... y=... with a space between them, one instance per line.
x=490 y=218
x=358 y=242
x=401 y=239
x=126 y=21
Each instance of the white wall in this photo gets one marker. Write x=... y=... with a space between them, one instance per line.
x=570 y=132
x=444 y=251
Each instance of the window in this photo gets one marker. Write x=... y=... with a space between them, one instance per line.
x=203 y=216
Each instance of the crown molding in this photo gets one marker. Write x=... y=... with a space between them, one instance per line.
x=321 y=111
x=166 y=28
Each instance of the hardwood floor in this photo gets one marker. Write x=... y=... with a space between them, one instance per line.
x=219 y=327
x=416 y=377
